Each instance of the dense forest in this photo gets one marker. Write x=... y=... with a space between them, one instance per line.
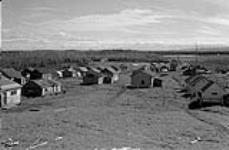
x=51 y=58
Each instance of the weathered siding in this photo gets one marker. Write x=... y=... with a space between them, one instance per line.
x=10 y=97
x=141 y=80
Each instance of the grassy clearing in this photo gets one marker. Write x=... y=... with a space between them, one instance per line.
x=112 y=116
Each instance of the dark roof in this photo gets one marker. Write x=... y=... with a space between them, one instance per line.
x=94 y=73
x=197 y=79
x=191 y=78
x=115 y=68
x=110 y=69
x=12 y=73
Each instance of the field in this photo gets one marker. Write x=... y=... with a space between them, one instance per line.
x=113 y=116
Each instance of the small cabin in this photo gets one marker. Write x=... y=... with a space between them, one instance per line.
x=92 y=77
x=66 y=73
x=10 y=93
x=211 y=92
x=35 y=88
x=173 y=65
x=81 y=71
x=110 y=74
x=141 y=79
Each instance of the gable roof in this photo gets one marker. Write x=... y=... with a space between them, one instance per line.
x=8 y=84
x=147 y=72
x=204 y=88
x=46 y=83
x=94 y=73
x=93 y=69
x=12 y=73
x=197 y=79
x=110 y=69
x=114 y=67
x=82 y=69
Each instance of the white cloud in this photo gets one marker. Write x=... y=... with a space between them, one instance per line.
x=103 y=22
x=219 y=21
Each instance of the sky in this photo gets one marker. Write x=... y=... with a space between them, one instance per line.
x=113 y=24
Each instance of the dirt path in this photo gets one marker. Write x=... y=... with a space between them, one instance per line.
x=221 y=129
x=111 y=101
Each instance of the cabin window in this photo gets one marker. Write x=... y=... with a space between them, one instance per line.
x=214 y=93
x=143 y=82
x=13 y=92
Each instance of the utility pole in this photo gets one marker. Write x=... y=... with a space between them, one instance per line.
x=196 y=48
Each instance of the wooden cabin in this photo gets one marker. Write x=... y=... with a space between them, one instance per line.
x=211 y=92
x=81 y=71
x=141 y=79
x=35 y=88
x=110 y=74
x=10 y=93
x=92 y=77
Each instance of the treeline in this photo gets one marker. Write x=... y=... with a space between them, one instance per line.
x=50 y=58
x=200 y=51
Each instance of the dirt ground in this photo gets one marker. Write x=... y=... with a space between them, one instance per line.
x=112 y=116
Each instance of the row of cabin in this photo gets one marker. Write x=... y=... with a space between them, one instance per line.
x=80 y=72
x=201 y=87
x=164 y=67
x=29 y=82
x=100 y=75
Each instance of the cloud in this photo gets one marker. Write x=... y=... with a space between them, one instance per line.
x=103 y=22
x=219 y=21
x=63 y=34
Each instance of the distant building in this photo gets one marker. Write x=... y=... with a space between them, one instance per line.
x=35 y=88
x=14 y=75
x=47 y=73
x=92 y=77
x=111 y=75
x=66 y=73
x=141 y=79
x=81 y=71
x=10 y=92
x=38 y=73
x=59 y=73
x=189 y=71
x=173 y=65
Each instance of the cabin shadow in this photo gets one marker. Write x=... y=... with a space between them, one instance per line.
x=196 y=105
x=133 y=87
